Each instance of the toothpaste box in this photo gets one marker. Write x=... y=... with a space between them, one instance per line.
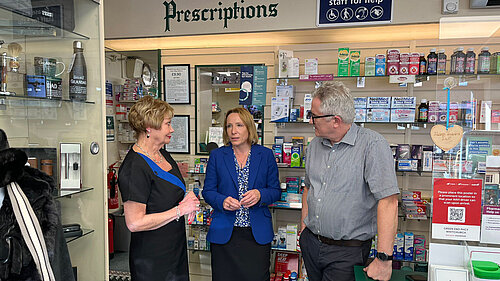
x=378 y=102
x=380 y=65
x=355 y=62
x=414 y=63
x=404 y=64
x=400 y=242
x=343 y=62
x=392 y=62
x=378 y=115
x=360 y=115
x=370 y=66
x=360 y=102
x=402 y=115
x=403 y=102
x=408 y=253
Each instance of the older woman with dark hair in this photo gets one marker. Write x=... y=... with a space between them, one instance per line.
x=153 y=192
x=241 y=181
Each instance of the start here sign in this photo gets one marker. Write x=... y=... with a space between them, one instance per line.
x=354 y=12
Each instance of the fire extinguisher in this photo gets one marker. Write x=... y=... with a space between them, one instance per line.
x=111 y=222
x=112 y=187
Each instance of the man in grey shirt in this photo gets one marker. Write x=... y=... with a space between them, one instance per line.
x=351 y=192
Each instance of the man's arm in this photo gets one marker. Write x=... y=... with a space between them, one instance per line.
x=304 y=208
x=387 y=224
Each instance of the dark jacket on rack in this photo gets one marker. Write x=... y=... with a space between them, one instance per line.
x=17 y=262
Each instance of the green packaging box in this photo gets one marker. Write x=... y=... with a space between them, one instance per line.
x=370 y=66
x=355 y=62
x=343 y=60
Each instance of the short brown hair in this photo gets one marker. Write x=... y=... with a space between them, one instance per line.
x=247 y=119
x=149 y=112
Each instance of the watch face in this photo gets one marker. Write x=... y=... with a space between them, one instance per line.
x=382 y=256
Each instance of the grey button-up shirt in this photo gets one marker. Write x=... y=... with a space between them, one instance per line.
x=345 y=181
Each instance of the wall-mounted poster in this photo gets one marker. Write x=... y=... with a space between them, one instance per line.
x=179 y=142
x=176 y=84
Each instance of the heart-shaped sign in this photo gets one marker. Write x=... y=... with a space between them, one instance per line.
x=446 y=139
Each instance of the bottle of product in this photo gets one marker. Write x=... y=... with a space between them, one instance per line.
x=78 y=74
x=460 y=61
x=470 y=61
x=423 y=111
x=483 y=61
x=432 y=62
x=441 y=64
x=422 y=64
x=453 y=62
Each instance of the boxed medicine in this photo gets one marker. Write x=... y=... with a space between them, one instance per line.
x=404 y=64
x=285 y=91
x=343 y=62
x=378 y=115
x=360 y=115
x=370 y=66
x=393 y=62
x=354 y=62
x=402 y=115
x=283 y=58
x=360 y=102
x=403 y=102
x=307 y=106
x=380 y=65
x=408 y=256
x=378 y=102
x=280 y=109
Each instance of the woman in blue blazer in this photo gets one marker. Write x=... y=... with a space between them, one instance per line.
x=241 y=181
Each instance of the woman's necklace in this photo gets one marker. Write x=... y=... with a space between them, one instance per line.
x=147 y=154
x=243 y=161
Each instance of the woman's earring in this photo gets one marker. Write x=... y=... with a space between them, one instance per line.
x=147 y=134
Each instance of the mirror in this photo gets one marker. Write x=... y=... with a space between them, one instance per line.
x=217 y=91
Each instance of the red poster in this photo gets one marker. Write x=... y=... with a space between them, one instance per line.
x=456 y=209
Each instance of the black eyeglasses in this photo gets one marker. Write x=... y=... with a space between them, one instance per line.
x=311 y=115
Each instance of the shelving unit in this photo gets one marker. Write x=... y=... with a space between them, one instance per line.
x=38 y=122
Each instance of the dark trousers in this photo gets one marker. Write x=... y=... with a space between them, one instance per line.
x=242 y=258
x=330 y=262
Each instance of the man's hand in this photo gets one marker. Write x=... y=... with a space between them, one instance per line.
x=379 y=270
x=250 y=198
x=231 y=204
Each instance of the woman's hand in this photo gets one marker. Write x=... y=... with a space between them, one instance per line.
x=250 y=198
x=231 y=204
x=189 y=205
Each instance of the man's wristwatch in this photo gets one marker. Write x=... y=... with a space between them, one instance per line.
x=383 y=256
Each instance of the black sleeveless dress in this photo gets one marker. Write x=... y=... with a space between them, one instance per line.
x=159 y=254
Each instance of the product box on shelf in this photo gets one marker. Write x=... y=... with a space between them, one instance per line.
x=287 y=153
x=403 y=102
x=280 y=109
x=495 y=63
x=400 y=244
x=354 y=62
x=402 y=115
x=286 y=262
x=414 y=64
x=343 y=62
x=283 y=59
x=404 y=64
x=278 y=152
x=392 y=62
x=307 y=106
x=370 y=66
x=294 y=114
x=35 y=86
x=293 y=68
x=378 y=102
x=285 y=91
x=360 y=102
x=380 y=65
x=296 y=156
x=427 y=156
x=281 y=237
x=378 y=115
x=311 y=66
x=291 y=237
x=360 y=115
x=408 y=253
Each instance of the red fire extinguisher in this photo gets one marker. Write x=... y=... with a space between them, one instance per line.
x=112 y=187
x=111 y=221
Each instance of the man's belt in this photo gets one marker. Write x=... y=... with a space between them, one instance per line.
x=343 y=243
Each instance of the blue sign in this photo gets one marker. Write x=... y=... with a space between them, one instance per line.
x=246 y=85
x=259 y=85
x=354 y=12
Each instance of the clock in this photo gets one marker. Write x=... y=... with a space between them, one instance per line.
x=147 y=76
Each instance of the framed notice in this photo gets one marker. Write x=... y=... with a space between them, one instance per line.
x=176 y=84
x=179 y=143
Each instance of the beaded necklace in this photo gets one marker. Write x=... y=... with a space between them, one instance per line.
x=147 y=154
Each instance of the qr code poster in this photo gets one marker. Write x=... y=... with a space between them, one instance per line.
x=456 y=209
x=456 y=214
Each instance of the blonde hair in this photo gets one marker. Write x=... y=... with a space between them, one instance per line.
x=247 y=119
x=149 y=112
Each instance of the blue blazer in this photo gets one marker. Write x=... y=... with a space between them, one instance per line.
x=221 y=181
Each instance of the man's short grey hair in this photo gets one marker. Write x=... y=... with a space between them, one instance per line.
x=336 y=99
